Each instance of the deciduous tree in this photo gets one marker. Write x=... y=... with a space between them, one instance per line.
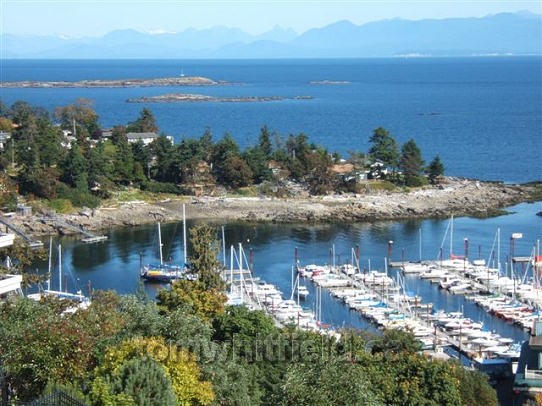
x=206 y=303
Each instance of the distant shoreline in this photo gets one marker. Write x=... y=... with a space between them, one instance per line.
x=114 y=83
x=197 y=98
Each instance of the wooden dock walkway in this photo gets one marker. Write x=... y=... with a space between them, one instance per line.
x=89 y=236
x=31 y=242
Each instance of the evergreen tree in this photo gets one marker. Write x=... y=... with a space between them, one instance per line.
x=384 y=147
x=75 y=169
x=141 y=158
x=203 y=260
x=236 y=173
x=146 y=123
x=258 y=163
x=265 y=145
x=118 y=134
x=206 y=145
x=97 y=165
x=411 y=163
x=124 y=162
x=145 y=381
x=49 y=143
x=319 y=177
x=223 y=150
x=166 y=160
x=5 y=111
x=435 y=169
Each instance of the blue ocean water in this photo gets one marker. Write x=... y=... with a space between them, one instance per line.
x=483 y=116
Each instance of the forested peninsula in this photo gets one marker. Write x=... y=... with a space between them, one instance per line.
x=189 y=347
x=99 y=178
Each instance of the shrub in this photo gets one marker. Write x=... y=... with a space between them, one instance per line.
x=162 y=187
x=61 y=205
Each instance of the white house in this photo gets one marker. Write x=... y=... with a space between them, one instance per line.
x=4 y=137
x=146 y=138
x=10 y=284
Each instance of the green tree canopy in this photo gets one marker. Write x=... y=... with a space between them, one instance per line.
x=75 y=169
x=327 y=382
x=411 y=163
x=203 y=258
x=80 y=117
x=145 y=123
x=264 y=142
x=145 y=381
x=435 y=169
x=194 y=297
x=236 y=173
x=384 y=147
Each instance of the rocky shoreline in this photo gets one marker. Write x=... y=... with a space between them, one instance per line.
x=112 y=83
x=196 y=98
x=457 y=197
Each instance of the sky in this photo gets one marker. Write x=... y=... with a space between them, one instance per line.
x=84 y=18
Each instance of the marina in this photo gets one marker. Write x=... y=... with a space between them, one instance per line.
x=114 y=265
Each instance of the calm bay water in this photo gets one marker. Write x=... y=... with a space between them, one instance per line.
x=482 y=115
x=114 y=264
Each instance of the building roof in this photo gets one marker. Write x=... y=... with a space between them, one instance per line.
x=138 y=136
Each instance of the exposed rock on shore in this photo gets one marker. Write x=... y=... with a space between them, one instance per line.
x=192 y=98
x=330 y=82
x=159 y=82
x=458 y=197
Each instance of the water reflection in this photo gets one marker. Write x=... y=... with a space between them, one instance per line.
x=114 y=264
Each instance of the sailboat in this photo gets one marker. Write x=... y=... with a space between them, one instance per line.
x=302 y=291
x=162 y=272
x=81 y=301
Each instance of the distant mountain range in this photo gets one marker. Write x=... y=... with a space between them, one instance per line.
x=501 y=34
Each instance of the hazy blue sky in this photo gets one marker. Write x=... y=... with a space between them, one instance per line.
x=76 y=18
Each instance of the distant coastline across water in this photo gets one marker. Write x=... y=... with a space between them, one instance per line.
x=487 y=127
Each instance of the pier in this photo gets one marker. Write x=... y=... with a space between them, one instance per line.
x=89 y=237
x=382 y=301
x=31 y=242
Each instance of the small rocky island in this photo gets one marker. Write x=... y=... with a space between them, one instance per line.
x=194 y=98
x=330 y=82
x=112 y=83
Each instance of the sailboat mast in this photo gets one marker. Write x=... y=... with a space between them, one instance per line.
x=231 y=269
x=184 y=233
x=241 y=282
x=160 y=244
x=451 y=235
x=59 y=268
x=50 y=262
x=223 y=247
x=420 y=245
x=499 y=250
